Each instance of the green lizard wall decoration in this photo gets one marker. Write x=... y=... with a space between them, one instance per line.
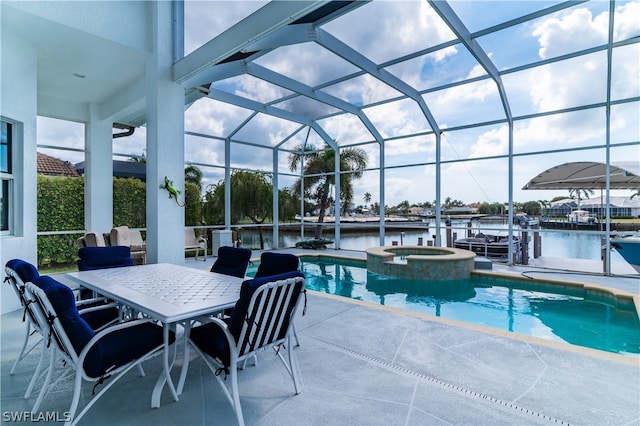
x=173 y=192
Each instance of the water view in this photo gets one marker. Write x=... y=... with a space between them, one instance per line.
x=576 y=245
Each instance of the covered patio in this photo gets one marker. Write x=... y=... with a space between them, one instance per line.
x=250 y=92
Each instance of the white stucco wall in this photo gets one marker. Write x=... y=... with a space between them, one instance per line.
x=18 y=102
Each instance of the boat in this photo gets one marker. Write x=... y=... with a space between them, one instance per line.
x=490 y=246
x=629 y=249
x=581 y=216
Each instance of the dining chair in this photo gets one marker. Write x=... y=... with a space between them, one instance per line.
x=232 y=261
x=18 y=272
x=97 y=312
x=262 y=318
x=272 y=263
x=104 y=257
x=97 y=357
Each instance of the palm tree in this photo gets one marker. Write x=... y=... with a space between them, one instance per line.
x=367 y=198
x=193 y=175
x=580 y=193
x=635 y=194
x=319 y=168
x=139 y=159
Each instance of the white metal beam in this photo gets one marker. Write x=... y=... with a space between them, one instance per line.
x=261 y=23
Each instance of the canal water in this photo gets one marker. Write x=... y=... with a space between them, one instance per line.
x=555 y=243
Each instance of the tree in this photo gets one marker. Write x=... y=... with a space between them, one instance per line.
x=580 y=193
x=403 y=207
x=193 y=174
x=367 y=198
x=139 y=159
x=251 y=198
x=319 y=178
x=531 y=208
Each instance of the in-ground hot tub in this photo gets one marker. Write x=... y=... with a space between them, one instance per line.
x=421 y=263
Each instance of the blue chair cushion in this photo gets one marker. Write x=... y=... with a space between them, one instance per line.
x=232 y=261
x=125 y=345
x=76 y=328
x=25 y=270
x=246 y=292
x=114 y=349
x=100 y=317
x=210 y=338
x=104 y=257
x=276 y=263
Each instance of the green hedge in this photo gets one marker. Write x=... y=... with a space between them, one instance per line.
x=61 y=208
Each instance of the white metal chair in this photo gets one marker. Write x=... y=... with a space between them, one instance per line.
x=261 y=319
x=95 y=311
x=95 y=357
x=191 y=243
x=18 y=272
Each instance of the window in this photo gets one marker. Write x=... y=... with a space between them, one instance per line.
x=6 y=175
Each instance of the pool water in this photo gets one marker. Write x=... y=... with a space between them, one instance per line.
x=571 y=317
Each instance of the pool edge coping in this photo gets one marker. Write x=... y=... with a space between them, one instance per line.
x=625 y=359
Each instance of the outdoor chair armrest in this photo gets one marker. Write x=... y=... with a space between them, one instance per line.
x=82 y=310
x=82 y=302
x=99 y=335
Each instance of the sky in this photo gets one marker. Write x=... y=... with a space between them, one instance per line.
x=383 y=31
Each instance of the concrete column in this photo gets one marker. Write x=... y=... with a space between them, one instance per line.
x=165 y=145
x=98 y=176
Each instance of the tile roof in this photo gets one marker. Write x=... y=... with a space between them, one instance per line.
x=52 y=166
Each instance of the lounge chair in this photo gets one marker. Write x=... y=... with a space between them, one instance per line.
x=191 y=243
x=91 y=239
x=125 y=236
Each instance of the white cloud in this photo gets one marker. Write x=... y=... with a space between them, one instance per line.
x=573 y=31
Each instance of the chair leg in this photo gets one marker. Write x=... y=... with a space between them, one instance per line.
x=24 y=351
x=235 y=396
x=185 y=359
x=36 y=374
x=76 y=397
x=293 y=365
x=45 y=386
x=295 y=333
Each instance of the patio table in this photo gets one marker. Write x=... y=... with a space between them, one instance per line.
x=168 y=293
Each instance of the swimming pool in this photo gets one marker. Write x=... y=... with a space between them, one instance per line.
x=560 y=313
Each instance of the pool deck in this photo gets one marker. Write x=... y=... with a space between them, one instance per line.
x=366 y=364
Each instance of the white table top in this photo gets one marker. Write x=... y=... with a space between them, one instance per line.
x=164 y=291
